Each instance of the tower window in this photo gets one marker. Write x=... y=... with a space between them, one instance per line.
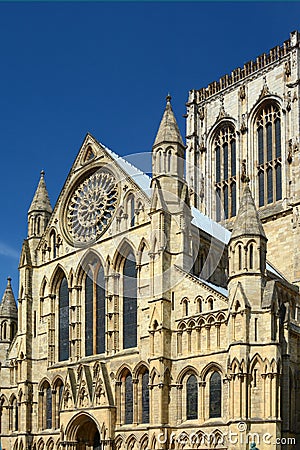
x=225 y=172
x=268 y=130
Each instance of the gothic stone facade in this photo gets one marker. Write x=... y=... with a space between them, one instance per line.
x=138 y=314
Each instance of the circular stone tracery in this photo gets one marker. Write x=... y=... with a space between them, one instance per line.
x=91 y=207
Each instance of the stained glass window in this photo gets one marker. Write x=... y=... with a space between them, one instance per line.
x=95 y=324
x=89 y=310
x=129 y=303
x=63 y=320
x=225 y=171
x=268 y=130
x=145 y=397
x=215 y=392
x=128 y=399
x=100 y=308
x=48 y=408
x=191 y=398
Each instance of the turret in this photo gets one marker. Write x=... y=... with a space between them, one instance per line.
x=168 y=154
x=8 y=314
x=248 y=248
x=40 y=210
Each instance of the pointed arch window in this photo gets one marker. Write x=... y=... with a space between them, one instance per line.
x=215 y=395
x=268 y=137
x=95 y=295
x=129 y=302
x=63 y=338
x=48 y=407
x=128 y=399
x=145 y=397
x=191 y=398
x=14 y=415
x=225 y=172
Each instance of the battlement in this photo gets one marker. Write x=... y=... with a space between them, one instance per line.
x=262 y=61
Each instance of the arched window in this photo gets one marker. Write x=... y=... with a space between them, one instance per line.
x=129 y=302
x=268 y=135
x=63 y=338
x=191 y=398
x=95 y=310
x=48 y=407
x=251 y=256
x=185 y=307
x=14 y=415
x=210 y=304
x=215 y=395
x=145 y=397
x=4 y=330
x=240 y=257
x=169 y=161
x=128 y=399
x=225 y=172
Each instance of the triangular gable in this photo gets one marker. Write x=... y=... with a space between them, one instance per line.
x=25 y=257
x=270 y=295
x=135 y=178
x=102 y=388
x=69 y=392
x=84 y=390
x=239 y=296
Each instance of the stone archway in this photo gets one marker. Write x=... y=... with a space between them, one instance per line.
x=82 y=433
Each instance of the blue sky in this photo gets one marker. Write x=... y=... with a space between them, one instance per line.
x=105 y=68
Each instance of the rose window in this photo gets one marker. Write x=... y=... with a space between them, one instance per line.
x=91 y=207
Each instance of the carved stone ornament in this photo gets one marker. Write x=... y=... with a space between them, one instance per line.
x=201 y=113
x=287 y=68
x=265 y=89
x=91 y=207
x=242 y=92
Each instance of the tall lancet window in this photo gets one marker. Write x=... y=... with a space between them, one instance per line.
x=225 y=172
x=95 y=309
x=268 y=137
x=129 y=302
x=63 y=338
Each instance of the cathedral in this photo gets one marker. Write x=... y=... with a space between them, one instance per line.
x=162 y=312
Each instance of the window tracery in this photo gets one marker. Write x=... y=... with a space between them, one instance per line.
x=225 y=172
x=269 y=171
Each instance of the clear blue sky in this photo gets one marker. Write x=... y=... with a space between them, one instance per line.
x=69 y=68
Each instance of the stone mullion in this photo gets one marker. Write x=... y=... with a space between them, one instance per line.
x=118 y=403
x=51 y=331
x=77 y=330
x=116 y=306
x=202 y=385
x=179 y=403
x=136 y=402
x=72 y=324
x=189 y=332
x=198 y=337
x=217 y=326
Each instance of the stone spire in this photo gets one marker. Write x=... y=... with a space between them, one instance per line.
x=41 y=200
x=168 y=130
x=8 y=307
x=247 y=221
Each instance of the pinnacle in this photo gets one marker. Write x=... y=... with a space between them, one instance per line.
x=8 y=307
x=247 y=221
x=41 y=200
x=168 y=130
